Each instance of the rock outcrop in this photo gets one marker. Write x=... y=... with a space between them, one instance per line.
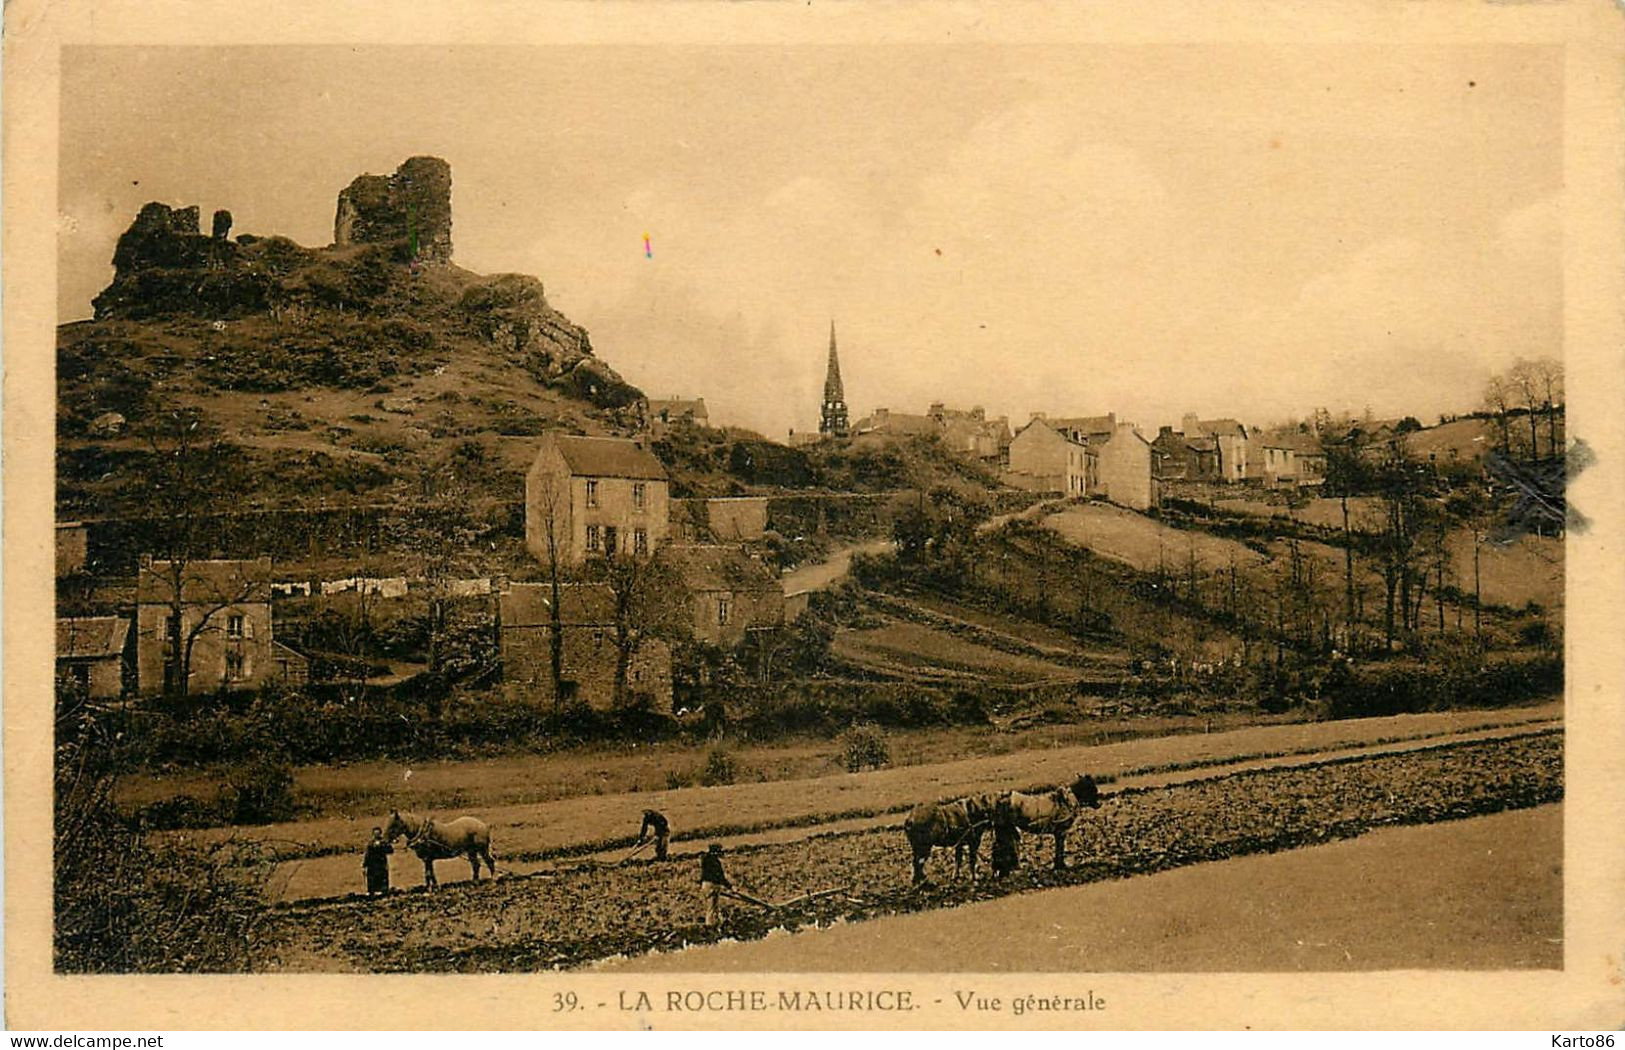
x=413 y=205
x=356 y=311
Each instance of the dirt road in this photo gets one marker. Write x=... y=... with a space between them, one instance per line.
x=831 y=570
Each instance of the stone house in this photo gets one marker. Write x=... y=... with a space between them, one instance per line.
x=587 y=625
x=599 y=496
x=967 y=432
x=732 y=592
x=1044 y=460
x=93 y=649
x=663 y=413
x=1291 y=459
x=1231 y=443
x=1120 y=468
x=225 y=608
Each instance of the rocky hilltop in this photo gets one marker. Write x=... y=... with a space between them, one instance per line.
x=342 y=365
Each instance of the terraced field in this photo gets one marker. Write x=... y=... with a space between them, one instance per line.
x=568 y=917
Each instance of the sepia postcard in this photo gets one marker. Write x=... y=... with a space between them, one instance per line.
x=828 y=515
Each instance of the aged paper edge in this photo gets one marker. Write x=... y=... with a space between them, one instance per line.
x=1587 y=993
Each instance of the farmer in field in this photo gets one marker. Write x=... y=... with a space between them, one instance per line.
x=655 y=821
x=376 y=863
x=713 y=880
x=1006 y=848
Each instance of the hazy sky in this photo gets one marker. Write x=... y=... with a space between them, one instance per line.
x=1232 y=230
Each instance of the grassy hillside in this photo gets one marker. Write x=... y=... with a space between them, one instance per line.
x=336 y=372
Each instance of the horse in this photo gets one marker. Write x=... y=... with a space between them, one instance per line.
x=959 y=824
x=434 y=840
x=1051 y=813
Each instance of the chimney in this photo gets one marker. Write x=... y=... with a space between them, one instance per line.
x=1165 y=432
x=1190 y=424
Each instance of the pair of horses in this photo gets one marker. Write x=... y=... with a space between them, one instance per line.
x=434 y=840
x=961 y=823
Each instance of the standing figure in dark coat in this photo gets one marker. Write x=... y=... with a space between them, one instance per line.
x=654 y=820
x=712 y=882
x=376 y=863
x=1006 y=848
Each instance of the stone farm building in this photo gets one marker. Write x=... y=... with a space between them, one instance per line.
x=225 y=612
x=663 y=413
x=587 y=626
x=92 y=649
x=1286 y=460
x=591 y=496
x=1231 y=445
x=732 y=591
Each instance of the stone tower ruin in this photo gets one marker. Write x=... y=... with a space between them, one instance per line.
x=413 y=205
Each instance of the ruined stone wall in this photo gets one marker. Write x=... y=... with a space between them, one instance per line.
x=412 y=205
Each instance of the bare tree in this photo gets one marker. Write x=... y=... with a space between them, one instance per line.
x=1526 y=388
x=440 y=530
x=1548 y=372
x=1498 y=398
x=651 y=601
x=549 y=499
x=186 y=485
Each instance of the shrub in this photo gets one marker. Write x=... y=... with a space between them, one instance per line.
x=182 y=811
x=863 y=747
x=258 y=791
x=721 y=767
x=122 y=903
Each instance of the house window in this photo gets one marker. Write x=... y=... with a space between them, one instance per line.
x=236 y=665
x=598 y=636
x=592 y=493
x=723 y=607
x=592 y=537
x=637 y=494
x=609 y=540
x=640 y=541
x=234 y=627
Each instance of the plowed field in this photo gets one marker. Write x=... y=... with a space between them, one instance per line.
x=571 y=916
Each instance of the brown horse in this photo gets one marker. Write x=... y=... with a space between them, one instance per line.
x=434 y=840
x=960 y=824
x=1051 y=813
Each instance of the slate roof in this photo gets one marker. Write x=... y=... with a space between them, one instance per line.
x=1090 y=425
x=530 y=605
x=1222 y=427
x=722 y=567
x=91 y=637
x=605 y=457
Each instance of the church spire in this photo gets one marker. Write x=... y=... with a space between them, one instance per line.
x=832 y=419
